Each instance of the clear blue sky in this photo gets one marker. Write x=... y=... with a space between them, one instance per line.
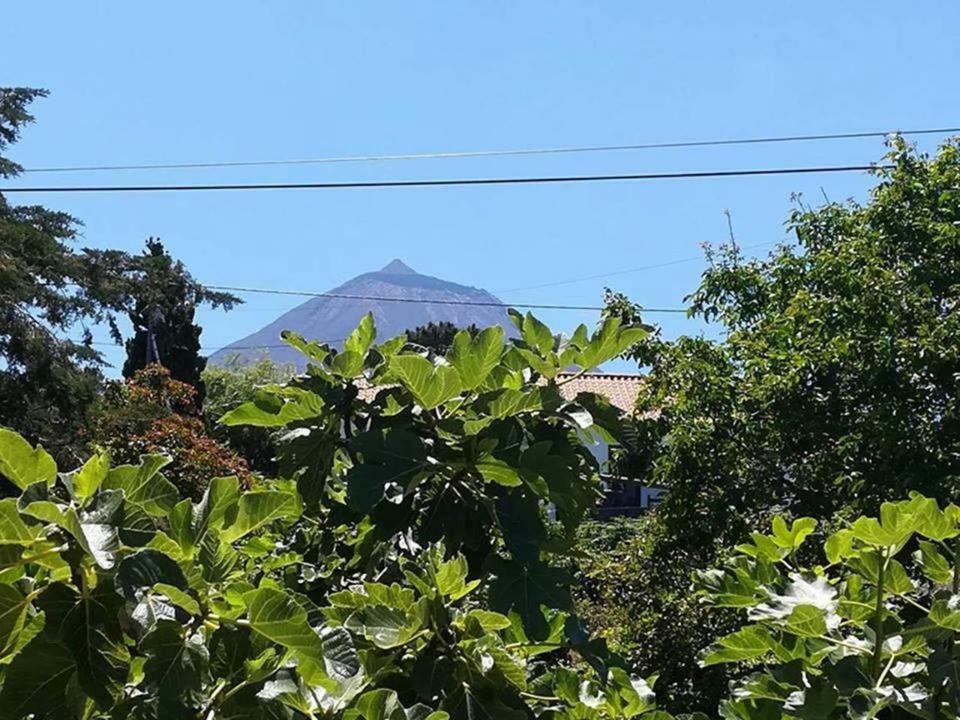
x=191 y=81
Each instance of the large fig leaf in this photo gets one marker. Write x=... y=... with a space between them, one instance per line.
x=24 y=465
x=430 y=385
x=258 y=509
x=475 y=357
x=280 y=619
x=36 y=681
x=143 y=484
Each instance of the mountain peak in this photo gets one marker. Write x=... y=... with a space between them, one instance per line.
x=398 y=267
x=331 y=318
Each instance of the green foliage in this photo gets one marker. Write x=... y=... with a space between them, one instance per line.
x=835 y=383
x=401 y=570
x=153 y=414
x=235 y=382
x=24 y=465
x=46 y=383
x=635 y=591
x=832 y=389
x=437 y=336
x=871 y=633
x=50 y=291
x=13 y=117
x=232 y=384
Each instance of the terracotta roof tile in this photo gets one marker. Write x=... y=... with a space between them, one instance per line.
x=620 y=390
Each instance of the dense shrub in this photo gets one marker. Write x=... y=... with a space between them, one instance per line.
x=232 y=384
x=831 y=385
x=636 y=592
x=151 y=413
x=834 y=381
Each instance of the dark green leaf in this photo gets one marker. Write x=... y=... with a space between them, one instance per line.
x=527 y=589
x=88 y=626
x=144 y=569
x=36 y=681
x=176 y=665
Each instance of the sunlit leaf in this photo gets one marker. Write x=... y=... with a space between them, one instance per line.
x=13 y=531
x=276 y=409
x=430 y=385
x=87 y=480
x=536 y=334
x=278 y=618
x=258 y=509
x=22 y=464
x=475 y=357
x=752 y=641
x=143 y=484
x=791 y=538
x=362 y=337
x=933 y=564
x=494 y=470
x=806 y=621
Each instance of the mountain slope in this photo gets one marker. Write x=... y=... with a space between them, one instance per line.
x=330 y=319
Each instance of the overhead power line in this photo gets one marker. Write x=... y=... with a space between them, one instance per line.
x=641 y=268
x=500 y=153
x=426 y=301
x=369 y=184
x=210 y=349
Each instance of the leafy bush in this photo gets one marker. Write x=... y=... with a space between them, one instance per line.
x=870 y=633
x=400 y=573
x=235 y=382
x=232 y=384
x=832 y=387
x=152 y=413
x=636 y=592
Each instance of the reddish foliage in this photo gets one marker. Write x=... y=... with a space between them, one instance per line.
x=153 y=385
x=152 y=413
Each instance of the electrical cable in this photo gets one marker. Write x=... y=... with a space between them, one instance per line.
x=452 y=182
x=501 y=153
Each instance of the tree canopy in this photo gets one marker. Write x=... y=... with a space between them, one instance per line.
x=47 y=290
x=437 y=336
x=835 y=384
x=53 y=297
x=164 y=301
x=831 y=388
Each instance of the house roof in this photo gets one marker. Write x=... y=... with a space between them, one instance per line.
x=620 y=389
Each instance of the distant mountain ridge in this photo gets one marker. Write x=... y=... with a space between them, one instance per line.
x=331 y=319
